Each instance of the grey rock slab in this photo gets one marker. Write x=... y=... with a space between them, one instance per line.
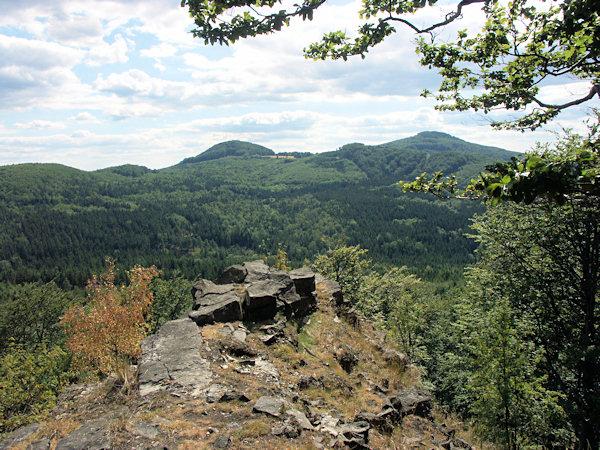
x=91 y=436
x=272 y=406
x=222 y=441
x=413 y=402
x=146 y=430
x=260 y=302
x=263 y=292
x=233 y=274
x=300 y=419
x=284 y=429
x=281 y=277
x=239 y=335
x=226 y=331
x=203 y=288
x=256 y=271
x=171 y=360
x=42 y=444
x=217 y=308
x=19 y=435
x=214 y=392
x=329 y=424
x=355 y=430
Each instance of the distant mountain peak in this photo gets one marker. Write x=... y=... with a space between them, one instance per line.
x=230 y=148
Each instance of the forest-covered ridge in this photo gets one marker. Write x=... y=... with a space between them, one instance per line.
x=234 y=203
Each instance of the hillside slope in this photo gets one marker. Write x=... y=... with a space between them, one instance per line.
x=322 y=380
x=232 y=203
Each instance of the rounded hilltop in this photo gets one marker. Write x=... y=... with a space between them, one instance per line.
x=230 y=148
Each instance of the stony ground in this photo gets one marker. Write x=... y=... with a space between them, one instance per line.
x=322 y=381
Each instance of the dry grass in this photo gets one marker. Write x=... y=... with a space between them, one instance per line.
x=191 y=423
x=55 y=430
x=193 y=445
x=211 y=332
x=253 y=429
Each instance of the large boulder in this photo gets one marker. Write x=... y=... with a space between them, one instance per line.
x=304 y=281
x=256 y=271
x=273 y=406
x=215 y=303
x=171 y=360
x=203 y=288
x=260 y=302
x=233 y=274
x=413 y=402
x=226 y=308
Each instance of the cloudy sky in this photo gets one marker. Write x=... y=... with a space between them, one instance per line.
x=98 y=83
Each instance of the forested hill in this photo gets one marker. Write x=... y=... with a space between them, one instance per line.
x=236 y=201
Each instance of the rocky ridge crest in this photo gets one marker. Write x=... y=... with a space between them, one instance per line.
x=266 y=358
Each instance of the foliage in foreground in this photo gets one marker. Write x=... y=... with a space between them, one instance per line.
x=105 y=336
x=397 y=302
x=30 y=380
x=519 y=45
x=171 y=299
x=29 y=314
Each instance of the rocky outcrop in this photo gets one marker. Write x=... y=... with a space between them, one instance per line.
x=171 y=360
x=215 y=303
x=276 y=384
x=93 y=436
x=253 y=292
x=19 y=436
x=413 y=402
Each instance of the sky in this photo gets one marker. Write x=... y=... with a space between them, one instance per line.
x=98 y=83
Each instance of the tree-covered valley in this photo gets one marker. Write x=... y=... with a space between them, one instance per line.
x=479 y=299
x=237 y=201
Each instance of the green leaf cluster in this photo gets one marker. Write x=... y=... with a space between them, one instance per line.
x=30 y=381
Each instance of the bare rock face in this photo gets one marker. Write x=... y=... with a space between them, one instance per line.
x=215 y=303
x=253 y=292
x=304 y=280
x=233 y=274
x=171 y=360
x=93 y=435
x=272 y=406
x=413 y=402
x=260 y=302
x=256 y=271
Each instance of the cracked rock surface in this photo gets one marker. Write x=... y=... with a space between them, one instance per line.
x=171 y=360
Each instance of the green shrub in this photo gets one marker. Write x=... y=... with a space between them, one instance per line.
x=29 y=383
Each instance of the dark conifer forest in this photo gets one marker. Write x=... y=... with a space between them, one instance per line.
x=237 y=201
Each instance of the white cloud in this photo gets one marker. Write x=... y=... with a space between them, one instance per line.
x=106 y=53
x=159 y=51
x=75 y=29
x=85 y=116
x=42 y=125
x=36 y=54
x=132 y=111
